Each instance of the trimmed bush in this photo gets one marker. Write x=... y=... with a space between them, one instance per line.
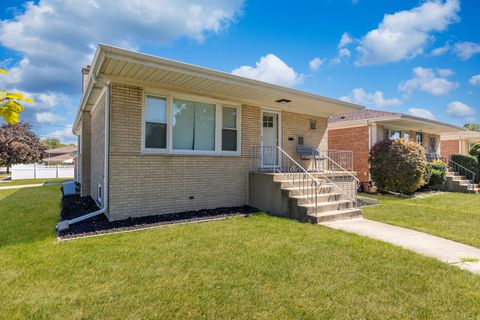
x=469 y=162
x=475 y=150
x=435 y=175
x=398 y=165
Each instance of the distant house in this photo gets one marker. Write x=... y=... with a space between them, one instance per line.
x=359 y=131
x=158 y=136
x=62 y=155
x=458 y=142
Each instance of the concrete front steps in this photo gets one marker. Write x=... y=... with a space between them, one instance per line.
x=458 y=183
x=296 y=199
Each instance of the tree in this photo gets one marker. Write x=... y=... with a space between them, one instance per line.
x=472 y=126
x=52 y=143
x=398 y=165
x=19 y=144
x=10 y=104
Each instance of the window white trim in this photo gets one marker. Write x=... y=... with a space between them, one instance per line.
x=169 y=96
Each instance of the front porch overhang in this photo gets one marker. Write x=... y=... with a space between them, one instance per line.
x=113 y=64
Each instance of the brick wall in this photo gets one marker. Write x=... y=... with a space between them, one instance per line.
x=86 y=154
x=356 y=140
x=449 y=147
x=98 y=148
x=146 y=184
x=295 y=125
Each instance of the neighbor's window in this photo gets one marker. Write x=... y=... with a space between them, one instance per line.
x=395 y=134
x=313 y=125
x=419 y=137
x=229 y=129
x=156 y=122
x=193 y=125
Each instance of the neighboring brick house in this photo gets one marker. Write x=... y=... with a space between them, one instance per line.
x=458 y=142
x=158 y=136
x=359 y=131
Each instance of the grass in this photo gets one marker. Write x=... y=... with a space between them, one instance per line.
x=259 y=267
x=454 y=216
x=30 y=181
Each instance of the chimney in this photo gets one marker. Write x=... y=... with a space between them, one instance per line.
x=85 y=73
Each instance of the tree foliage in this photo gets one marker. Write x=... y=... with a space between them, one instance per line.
x=472 y=126
x=19 y=144
x=52 y=143
x=435 y=175
x=10 y=104
x=475 y=150
x=398 y=165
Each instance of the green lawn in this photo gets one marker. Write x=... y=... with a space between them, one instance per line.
x=259 y=267
x=455 y=216
x=31 y=181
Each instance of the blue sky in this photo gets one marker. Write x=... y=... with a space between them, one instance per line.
x=417 y=57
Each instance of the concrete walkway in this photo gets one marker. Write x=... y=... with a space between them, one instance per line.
x=29 y=185
x=442 y=249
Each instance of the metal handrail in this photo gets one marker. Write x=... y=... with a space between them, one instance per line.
x=339 y=166
x=353 y=199
x=449 y=161
x=344 y=171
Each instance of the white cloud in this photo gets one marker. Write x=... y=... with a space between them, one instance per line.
x=344 y=53
x=466 y=50
x=440 y=50
x=475 y=80
x=271 y=69
x=422 y=113
x=48 y=117
x=316 y=63
x=376 y=99
x=459 y=109
x=345 y=40
x=445 y=72
x=57 y=37
x=404 y=34
x=427 y=80
x=65 y=135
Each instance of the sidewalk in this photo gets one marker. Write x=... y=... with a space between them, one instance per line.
x=442 y=249
x=28 y=185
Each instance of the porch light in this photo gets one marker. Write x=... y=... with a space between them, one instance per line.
x=283 y=101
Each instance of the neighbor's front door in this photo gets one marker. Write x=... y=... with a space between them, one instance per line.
x=270 y=139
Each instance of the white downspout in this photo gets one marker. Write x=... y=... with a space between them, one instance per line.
x=65 y=224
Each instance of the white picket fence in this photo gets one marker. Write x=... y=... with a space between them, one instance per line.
x=37 y=171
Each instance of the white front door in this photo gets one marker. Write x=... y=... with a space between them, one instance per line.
x=270 y=139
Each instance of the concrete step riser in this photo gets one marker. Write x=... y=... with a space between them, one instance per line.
x=343 y=216
x=320 y=199
x=330 y=207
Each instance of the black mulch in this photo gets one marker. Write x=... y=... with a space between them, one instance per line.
x=75 y=206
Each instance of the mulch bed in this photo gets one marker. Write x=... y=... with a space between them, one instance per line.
x=75 y=206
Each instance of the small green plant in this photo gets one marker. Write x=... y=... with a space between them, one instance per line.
x=435 y=175
x=475 y=150
x=470 y=260
x=398 y=165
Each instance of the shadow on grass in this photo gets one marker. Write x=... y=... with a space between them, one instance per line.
x=28 y=215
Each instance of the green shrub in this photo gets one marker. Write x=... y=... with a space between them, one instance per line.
x=475 y=150
x=469 y=162
x=435 y=175
x=397 y=165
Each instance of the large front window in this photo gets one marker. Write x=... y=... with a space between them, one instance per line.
x=193 y=125
x=190 y=126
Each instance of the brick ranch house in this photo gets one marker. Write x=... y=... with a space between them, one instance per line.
x=158 y=136
x=458 y=142
x=359 y=131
